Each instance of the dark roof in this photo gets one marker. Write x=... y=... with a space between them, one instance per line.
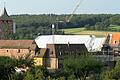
x=16 y=44
x=5 y=15
x=54 y=50
x=72 y=49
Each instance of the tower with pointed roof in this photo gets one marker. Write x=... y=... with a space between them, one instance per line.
x=6 y=26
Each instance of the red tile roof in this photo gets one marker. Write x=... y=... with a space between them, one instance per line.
x=115 y=39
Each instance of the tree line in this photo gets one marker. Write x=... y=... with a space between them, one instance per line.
x=84 y=67
x=30 y=26
x=73 y=68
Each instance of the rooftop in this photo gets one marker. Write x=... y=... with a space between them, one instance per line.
x=16 y=44
x=88 y=40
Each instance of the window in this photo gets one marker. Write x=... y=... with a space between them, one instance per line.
x=29 y=51
x=51 y=53
x=18 y=50
x=115 y=42
x=60 y=53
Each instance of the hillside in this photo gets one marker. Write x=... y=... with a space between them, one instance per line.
x=30 y=26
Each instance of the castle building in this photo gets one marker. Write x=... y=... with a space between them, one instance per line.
x=6 y=26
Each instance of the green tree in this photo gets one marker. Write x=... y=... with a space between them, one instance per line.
x=113 y=74
x=39 y=73
x=25 y=60
x=29 y=76
x=81 y=66
x=35 y=73
x=7 y=65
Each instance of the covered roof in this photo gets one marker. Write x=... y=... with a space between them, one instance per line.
x=88 y=40
x=98 y=44
x=24 y=44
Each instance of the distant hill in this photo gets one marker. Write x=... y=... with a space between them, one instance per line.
x=29 y=26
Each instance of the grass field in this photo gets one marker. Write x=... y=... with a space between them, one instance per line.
x=115 y=27
x=82 y=31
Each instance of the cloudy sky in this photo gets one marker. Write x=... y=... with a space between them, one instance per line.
x=60 y=6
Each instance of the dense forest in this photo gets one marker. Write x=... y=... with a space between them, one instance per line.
x=30 y=26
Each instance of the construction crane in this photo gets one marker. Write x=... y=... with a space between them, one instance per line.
x=61 y=24
x=76 y=7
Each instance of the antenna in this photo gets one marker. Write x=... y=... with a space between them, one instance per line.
x=4 y=4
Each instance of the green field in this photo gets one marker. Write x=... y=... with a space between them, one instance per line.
x=82 y=31
x=115 y=27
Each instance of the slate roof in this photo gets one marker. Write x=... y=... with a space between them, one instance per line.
x=56 y=50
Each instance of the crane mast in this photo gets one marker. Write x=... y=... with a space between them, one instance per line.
x=76 y=7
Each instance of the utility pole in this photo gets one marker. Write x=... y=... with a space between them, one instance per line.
x=53 y=32
x=57 y=20
x=14 y=27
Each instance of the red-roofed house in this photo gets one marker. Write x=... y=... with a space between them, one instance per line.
x=112 y=41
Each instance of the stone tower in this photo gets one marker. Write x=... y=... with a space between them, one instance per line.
x=6 y=26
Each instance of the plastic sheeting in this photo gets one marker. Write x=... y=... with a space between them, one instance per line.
x=90 y=41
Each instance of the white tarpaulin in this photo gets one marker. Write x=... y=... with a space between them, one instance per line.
x=88 y=40
x=98 y=43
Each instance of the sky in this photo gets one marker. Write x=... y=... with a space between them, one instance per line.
x=60 y=6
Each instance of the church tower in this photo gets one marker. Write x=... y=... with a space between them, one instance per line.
x=6 y=26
